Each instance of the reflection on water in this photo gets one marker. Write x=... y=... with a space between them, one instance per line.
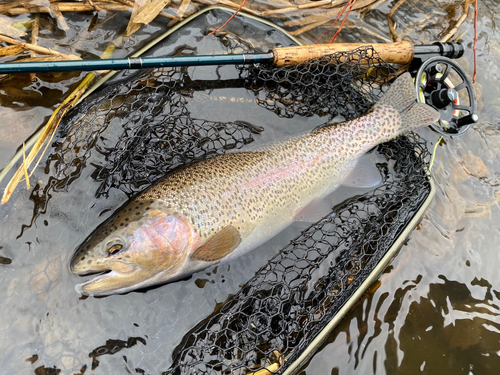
x=423 y=325
x=436 y=309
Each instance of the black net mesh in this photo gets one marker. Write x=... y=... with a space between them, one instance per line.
x=333 y=85
x=148 y=132
x=142 y=129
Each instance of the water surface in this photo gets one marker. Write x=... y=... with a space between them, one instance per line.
x=435 y=309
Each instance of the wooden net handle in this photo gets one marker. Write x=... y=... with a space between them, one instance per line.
x=395 y=53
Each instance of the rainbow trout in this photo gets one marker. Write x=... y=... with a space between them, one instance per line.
x=222 y=207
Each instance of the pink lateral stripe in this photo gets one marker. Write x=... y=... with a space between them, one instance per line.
x=281 y=174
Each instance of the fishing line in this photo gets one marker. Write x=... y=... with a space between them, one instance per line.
x=434 y=153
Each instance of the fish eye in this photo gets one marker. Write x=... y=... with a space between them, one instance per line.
x=114 y=246
x=114 y=249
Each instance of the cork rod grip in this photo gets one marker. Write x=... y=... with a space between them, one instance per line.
x=395 y=53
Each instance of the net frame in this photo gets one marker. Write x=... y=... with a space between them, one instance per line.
x=240 y=338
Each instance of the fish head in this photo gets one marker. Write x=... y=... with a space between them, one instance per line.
x=134 y=249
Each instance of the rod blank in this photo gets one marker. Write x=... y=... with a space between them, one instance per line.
x=133 y=63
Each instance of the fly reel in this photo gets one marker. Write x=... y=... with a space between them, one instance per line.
x=443 y=84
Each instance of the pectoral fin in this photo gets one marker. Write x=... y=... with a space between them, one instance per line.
x=219 y=245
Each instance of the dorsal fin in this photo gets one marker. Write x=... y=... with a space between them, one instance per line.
x=219 y=245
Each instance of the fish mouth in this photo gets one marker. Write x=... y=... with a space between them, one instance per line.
x=120 y=266
x=107 y=279
x=87 y=272
x=95 y=274
x=94 y=286
x=106 y=283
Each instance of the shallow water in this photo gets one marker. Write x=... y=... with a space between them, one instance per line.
x=436 y=309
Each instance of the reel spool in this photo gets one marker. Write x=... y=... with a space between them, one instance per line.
x=443 y=84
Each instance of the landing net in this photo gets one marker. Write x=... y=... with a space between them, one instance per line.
x=142 y=129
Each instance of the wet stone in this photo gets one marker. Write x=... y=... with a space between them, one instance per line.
x=24 y=324
x=54 y=350
x=12 y=287
x=40 y=283
x=21 y=364
x=54 y=270
x=451 y=208
x=52 y=337
x=476 y=165
x=37 y=268
x=458 y=172
x=67 y=362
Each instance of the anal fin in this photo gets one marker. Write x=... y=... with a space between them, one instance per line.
x=219 y=245
x=365 y=173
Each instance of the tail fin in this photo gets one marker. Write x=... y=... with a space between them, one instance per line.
x=401 y=97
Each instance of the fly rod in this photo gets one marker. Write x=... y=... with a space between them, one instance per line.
x=396 y=53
